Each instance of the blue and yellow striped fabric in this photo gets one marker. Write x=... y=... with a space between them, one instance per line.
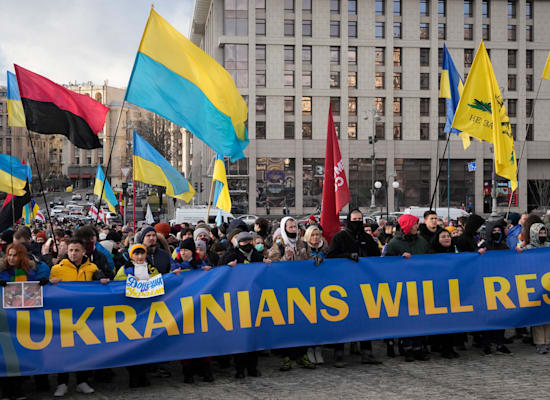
x=30 y=211
x=13 y=175
x=222 y=200
x=16 y=114
x=152 y=168
x=108 y=195
x=177 y=80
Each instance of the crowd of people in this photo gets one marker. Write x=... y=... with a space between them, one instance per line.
x=103 y=253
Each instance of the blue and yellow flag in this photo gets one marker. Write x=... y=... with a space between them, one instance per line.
x=451 y=89
x=177 y=80
x=30 y=210
x=222 y=200
x=152 y=168
x=13 y=175
x=108 y=194
x=16 y=115
x=481 y=113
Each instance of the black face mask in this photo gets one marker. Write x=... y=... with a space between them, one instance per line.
x=542 y=239
x=355 y=226
x=496 y=237
x=247 y=248
x=291 y=235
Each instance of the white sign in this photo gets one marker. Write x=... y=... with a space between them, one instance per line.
x=22 y=295
x=140 y=289
x=125 y=171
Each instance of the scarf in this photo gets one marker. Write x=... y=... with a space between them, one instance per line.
x=288 y=241
x=141 y=272
x=19 y=275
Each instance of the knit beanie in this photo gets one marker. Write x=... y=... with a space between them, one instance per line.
x=406 y=222
x=199 y=231
x=144 y=232
x=188 y=244
x=163 y=228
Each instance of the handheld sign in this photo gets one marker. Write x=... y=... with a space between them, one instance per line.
x=140 y=289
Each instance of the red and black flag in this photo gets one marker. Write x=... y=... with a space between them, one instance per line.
x=53 y=109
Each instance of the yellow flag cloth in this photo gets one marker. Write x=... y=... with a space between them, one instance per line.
x=546 y=72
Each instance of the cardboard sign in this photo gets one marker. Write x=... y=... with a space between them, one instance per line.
x=140 y=289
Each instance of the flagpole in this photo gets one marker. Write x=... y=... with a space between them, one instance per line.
x=439 y=170
x=11 y=173
x=134 y=193
x=211 y=197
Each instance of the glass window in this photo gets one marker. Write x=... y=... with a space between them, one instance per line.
x=335 y=55
x=442 y=107
x=313 y=178
x=397 y=56
x=379 y=55
x=397 y=80
x=424 y=131
x=352 y=55
x=306 y=79
x=379 y=80
x=289 y=27
x=352 y=130
x=306 y=28
x=468 y=58
x=352 y=29
x=260 y=105
x=334 y=79
x=352 y=7
x=440 y=57
x=289 y=105
x=397 y=30
x=260 y=129
x=529 y=107
x=462 y=183
x=512 y=58
x=306 y=131
x=289 y=130
x=424 y=81
x=275 y=182
x=352 y=106
x=380 y=106
x=289 y=79
x=397 y=131
x=529 y=59
x=468 y=32
x=360 y=172
x=236 y=63
x=260 y=27
x=335 y=6
x=424 y=31
x=425 y=107
x=397 y=106
x=529 y=9
x=485 y=10
x=260 y=53
x=306 y=54
x=511 y=33
x=529 y=82
x=512 y=84
x=468 y=9
x=379 y=30
x=306 y=105
x=424 y=57
x=380 y=7
x=260 y=4
x=380 y=130
x=511 y=8
x=235 y=18
x=529 y=33
x=512 y=108
x=335 y=105
x=529 y=132
x=352 y=79
x=442 y=31
x=334 y=28
x=289 y=5
x=289 y=54
x=441 y=131
x=424 y=8
x=486 y=32
x=260 y=78
x=413 y=176
x=442 y=8
x=396 y=8
x=306 y=5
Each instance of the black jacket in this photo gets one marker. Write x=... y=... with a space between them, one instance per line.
x=427 y=234
x=99 y=259
x=491 y=244
x=159 y=259
x=232 y=254
x=467 y=241
x=437 y=248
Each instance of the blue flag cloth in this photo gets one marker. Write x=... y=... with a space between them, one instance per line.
x=108 y=194
x=451 y=88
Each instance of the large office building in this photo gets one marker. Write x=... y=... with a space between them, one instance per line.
x=377 y=63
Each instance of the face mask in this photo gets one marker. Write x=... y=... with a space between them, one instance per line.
x=256 y=229
x=259 y=247
x=278 y=241
x=355 y=226
x=496 y=237
x=542 y=239
x=291 y=235
x=247 y=248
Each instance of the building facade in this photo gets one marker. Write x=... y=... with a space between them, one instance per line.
x=377 y=63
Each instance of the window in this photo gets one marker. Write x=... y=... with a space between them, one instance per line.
x=379 y=30
x=306 y=79
x=289 y=130
x=424 y=31
x=352 y=7
x=334 y=79
x=424 y=131
x=442 y=31
x=529 y=59
x=306 y=5
x=380 y=55
x=289 y=27
x=440 y=57
x=260 y=4
x=397 y=131
x=529 y=33
x=306 y=105
x=334 y=28
x=468 y=58
x=379 y=8
x=260 y=54
x=486 y=32
x=424 y=8
x=424 y=81
x=511 y=33
x=468 y=9
x=306 y=54
x=352 y=79
x=352 y=130
x=529 y=132
x=236 y=63
x=260 y=129
x=270 y=191
x=425 y=107
x=512 y=58
x=514 y=129
x=512 y=85
x=352 y=29
x=512 y=108
x=397 y=106
x=260 y=78
x=424 y=57
x=335 y=6
x=289 y=5
x=289 y=105
x=260 y=105
x=306 y=130
x=442 y=8
x=379 y=80
x=529 y=9
x=289 y=79
x=235 y=18
x=441 y=131
x=397 y=80
x=380 y=106
x=396 y=8
x=397 y=56
x=335 y=55
x=380 y=130
x=260 y=27
x=397 y=30
x=442 y=107
x=485 y=10
x=529 y=82
x=359 y=179
x=512 y=9
x=468 y=32
x=352 y=55
x=289 y=54
x=306 y=28
x=335 y=104
x=413 y=176
x=529 y=107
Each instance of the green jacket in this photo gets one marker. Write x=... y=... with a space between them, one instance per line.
x=414 y=244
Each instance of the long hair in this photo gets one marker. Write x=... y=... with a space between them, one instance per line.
x=22 y=259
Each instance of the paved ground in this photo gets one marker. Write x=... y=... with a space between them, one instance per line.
x=523 y=375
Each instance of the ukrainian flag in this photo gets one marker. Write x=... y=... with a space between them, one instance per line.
x=108 y=194
x=30 y=211
x=451 y=89
x=177 y=80
x=152 y=168
x=16 y=115
x=221 y=192
x=13 y=175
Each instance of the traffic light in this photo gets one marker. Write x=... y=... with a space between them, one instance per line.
x=196 y=186
x=202 y=188
x=371 y=139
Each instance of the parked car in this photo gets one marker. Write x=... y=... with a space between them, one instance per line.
x=248 y=219
x=58 y=201
x=76 y=197
x=442 y=212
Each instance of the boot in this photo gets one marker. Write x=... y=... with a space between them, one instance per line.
x=339 y=355
x=390 y=349
x=368 y=358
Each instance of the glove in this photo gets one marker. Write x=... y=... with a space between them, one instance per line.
x=43 y=281
x=3 y=283
x=354 y=257
x=318 y=260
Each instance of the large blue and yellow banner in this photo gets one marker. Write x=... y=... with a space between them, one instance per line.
x=86 y=325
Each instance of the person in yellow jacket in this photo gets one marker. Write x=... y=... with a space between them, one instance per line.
x=75 y=267
x=139 y=267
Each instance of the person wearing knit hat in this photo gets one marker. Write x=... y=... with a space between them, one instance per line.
x=41 y=237
x=163 y=228
x=201 y=234
x=156 y=256
x=187 y=256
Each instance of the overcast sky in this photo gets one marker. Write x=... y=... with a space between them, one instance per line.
x=80 y=40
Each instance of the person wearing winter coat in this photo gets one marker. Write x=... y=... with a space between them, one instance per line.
x=156 y=256
x=469 y=241
x=290 y=247
x=429 y=228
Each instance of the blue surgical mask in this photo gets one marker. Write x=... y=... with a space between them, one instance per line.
x=259 y=247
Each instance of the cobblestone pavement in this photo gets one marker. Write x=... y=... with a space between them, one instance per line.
x=522 y=375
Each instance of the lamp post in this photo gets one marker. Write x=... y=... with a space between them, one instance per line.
x=377 y=185
x=372 y=140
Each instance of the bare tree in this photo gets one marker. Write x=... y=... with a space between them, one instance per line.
x=540 y=191
x=156 y=130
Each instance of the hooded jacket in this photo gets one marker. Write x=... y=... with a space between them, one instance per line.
x=534 y=233
x=467 y=241
x=492 y=244
x=347 y=242
x=437 y=248
x=401 y=243
x=427 y=234
x=233 y=253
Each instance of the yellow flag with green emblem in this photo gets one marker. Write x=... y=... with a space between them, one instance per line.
x=481 y=114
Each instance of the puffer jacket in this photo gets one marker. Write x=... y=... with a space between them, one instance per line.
x=36 y=272
x=401 y=243
x=277 y=252
x=66 y=271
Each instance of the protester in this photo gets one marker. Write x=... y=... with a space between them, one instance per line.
x=430 y=227
x=156 y=256
x=96 y=253
x=292 y=247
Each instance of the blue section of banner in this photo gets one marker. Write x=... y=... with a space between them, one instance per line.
x=257 y=306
